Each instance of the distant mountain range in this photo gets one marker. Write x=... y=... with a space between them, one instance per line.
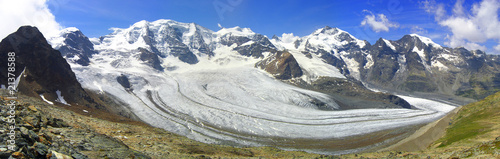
x=410 y=64
x=238 y=87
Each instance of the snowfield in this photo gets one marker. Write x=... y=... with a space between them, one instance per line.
x=240 y=104
x=224 y=99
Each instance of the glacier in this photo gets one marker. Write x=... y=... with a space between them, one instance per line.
x=224 y=99
x=245 y=106
x=238 y=104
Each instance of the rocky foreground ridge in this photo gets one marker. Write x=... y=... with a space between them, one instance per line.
x=41 y=132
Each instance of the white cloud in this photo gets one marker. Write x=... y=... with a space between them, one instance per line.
x=16 y=13
x=458 y=9
x=464 y=28
x=378 y=22
x=289 y=38
x=497 y=48
x=434 y=8
x=469 y=29
x=454 y=41
x=418 y=30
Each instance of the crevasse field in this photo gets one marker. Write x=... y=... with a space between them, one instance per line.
x=234 y=103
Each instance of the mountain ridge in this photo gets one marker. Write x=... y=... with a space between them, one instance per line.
x=42 y=71
x=256 y=79
x=178 y=76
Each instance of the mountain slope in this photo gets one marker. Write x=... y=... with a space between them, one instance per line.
x=474 y=123
x=210 y=89
x=74 y=46
x=473 y=131
x=42 y=70
x=416 y=64
x=412 y=64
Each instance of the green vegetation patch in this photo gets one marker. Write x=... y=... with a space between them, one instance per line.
x=473 y=120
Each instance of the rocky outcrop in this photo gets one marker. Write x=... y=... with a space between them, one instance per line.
x=123 y=80
x=44 y=70
x=150 y=59
x=76 y=47
x=282 y=65
x=415 y=64
x=412 y=64
x=40 y=135
x=259 y=44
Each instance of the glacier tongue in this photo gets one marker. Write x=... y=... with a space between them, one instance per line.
x=237 y=103
x=243 y=105
x=223 y=98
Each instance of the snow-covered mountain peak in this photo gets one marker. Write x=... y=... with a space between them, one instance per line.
x=58 y=41
x=330 y=39
x=336 y=33
x=69 y=30
x=140 y=24
x=236 y=31
x=163 y=37
x=160 y=22
x=426 y=40
x=192 y=27
x=327 y=30
x=73 y=45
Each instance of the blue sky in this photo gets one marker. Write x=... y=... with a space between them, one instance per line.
x=95 y=17
x=442 y=21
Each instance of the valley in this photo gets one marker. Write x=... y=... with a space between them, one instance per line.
x=238 y=88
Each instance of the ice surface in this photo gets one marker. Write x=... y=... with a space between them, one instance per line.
x=420 y=53
x=426 y=40
x=236 y=31
x=60 y=98
x=402 y=63
x=330 y=39
x=352 y=65
x=236 y=102
x=369 y=62
x=314 y=67
x=422 y=56
x=439 y=65
x=58 y=41
x=43 y=98
x=450 y=57
x=389 y=44
x=18 y=79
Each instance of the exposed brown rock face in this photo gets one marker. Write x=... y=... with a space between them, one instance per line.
x=150 y=59
x=282 y=65
x=45 y=70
